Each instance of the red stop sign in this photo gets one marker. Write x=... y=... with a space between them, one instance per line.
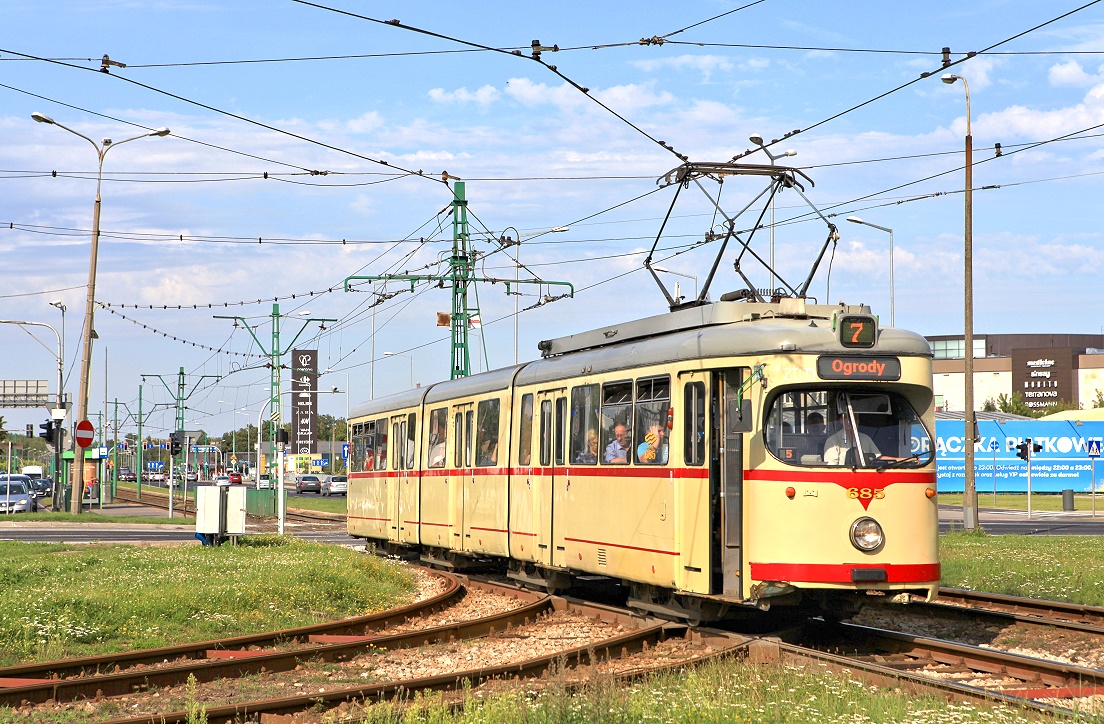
x=85 y=433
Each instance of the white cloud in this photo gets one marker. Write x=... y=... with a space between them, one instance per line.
x=705 y=64
x=1071 y=74
x=365 y=123
x=483 y=96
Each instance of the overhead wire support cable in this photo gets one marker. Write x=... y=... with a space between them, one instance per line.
x=536 y=49
x=242 y=118
x=947 y=63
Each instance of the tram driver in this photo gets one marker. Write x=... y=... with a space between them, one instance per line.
x=839 y=445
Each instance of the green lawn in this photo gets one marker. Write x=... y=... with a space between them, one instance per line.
x=91 y=517
x=1057 y=568
x=60 y=600
x=1018 y=501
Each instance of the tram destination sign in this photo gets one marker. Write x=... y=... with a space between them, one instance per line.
x=839 y=367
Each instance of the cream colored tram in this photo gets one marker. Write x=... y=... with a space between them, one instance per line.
x=714 y=459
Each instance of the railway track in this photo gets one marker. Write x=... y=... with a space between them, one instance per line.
x=1052 y=613
x=959 y=670
x=102 y=678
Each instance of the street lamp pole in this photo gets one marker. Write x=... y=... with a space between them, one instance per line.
x=857 y=220
x=969 y=498
x=58 y=414
x=90 y=302
x=348 y=432
x=679 y=274
x=758 y=141
x=409 y=358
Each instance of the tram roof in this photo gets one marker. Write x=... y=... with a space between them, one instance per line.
x=723 y=329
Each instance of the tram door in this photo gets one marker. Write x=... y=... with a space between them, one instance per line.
x=394 y=481
x=409 y=482
x=731 y=418
x=548 y=475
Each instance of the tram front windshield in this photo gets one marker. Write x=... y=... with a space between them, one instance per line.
x=846 y=428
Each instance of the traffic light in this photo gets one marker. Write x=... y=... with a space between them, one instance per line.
x=1023 y=453
x=1036 y=447
x=176 y=444
x=47 y=433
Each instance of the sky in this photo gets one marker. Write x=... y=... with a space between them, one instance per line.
x=309 y=144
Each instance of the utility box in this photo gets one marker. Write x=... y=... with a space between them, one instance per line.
x=220 y=512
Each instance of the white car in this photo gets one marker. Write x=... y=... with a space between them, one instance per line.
x=335 y=485
x=222 y=480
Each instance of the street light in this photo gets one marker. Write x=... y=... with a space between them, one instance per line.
x=857 y=220
x=409 y=359
x=969 y=497
x=90 y=303
x=758 y=141
x=679 y=274
x=348 y=432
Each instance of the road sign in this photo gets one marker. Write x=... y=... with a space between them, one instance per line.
x=155 y=465
x=994 y=446
x=85 y=433
x=1094 y=448
x=344 y=451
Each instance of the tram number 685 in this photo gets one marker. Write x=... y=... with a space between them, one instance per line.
x=865 y=493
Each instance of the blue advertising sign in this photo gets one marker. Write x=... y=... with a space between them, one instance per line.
x=1063 y=464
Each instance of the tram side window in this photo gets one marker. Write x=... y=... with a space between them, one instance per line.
x=458 y=441
x=398 y=434
x=487 y=439
x=546 y=433
x=525 y=435
x=561 y=414
x=616 y=422
x=438 y=436
x=653 y=407
x=694 y=427
x=357 y=452
x=584 y=425
x=381 y=444
x=469 y=425
x=411 y=439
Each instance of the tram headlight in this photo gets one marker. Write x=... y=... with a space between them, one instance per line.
x=866 y=534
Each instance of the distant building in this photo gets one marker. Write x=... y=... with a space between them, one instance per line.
x=1042 y=368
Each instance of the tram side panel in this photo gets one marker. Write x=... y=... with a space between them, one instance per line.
x=438 y=480
x=367 y=497
x=486 y=500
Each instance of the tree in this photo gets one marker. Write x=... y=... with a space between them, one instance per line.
x=1015 y=405
x=989 y=405
x=1098 y=402
x=3 y=432
x=1060 y=406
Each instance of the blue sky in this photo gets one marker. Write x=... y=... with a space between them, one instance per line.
x=178 y=211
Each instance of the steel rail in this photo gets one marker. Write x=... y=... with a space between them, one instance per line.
x=190 y=509
x=227 y=664
x=1037 y=678
x=649 y=631
x=1050 y=611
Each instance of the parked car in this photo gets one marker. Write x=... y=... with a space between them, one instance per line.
x=127 y=476
x=15 y=497
x=335 y=485
x=235 y=477
x=312 y=483
x=264 y=482
x=157 y=476
x=222 y=480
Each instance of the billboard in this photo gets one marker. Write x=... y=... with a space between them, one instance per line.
x=304 y=401
x=1062 y=464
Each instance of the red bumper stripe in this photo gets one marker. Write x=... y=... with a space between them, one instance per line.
x=841 y=572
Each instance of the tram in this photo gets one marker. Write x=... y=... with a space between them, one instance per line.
x=718 y=460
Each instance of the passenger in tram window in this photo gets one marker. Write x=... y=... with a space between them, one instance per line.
x=618 y=449
x=814 y=424
x=589 y=456
x=488 y=453
x=652 y=450
x=369 y=460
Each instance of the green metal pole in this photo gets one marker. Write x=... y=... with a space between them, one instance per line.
x=460 y=273
x=275 y=413
x=141 y=444
x=115 y=452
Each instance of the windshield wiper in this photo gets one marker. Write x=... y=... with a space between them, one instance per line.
x=887 y=464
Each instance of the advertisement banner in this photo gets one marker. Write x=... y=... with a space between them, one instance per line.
x=1063 y=463
x=304 y=401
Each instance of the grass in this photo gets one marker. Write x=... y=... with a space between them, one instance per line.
x=1018 y=501
x=728 y=691
x=58 y=600
x=1056 y=568
x=89 y=518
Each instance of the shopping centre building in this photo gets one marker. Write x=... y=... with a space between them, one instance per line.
x=1042 y=368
